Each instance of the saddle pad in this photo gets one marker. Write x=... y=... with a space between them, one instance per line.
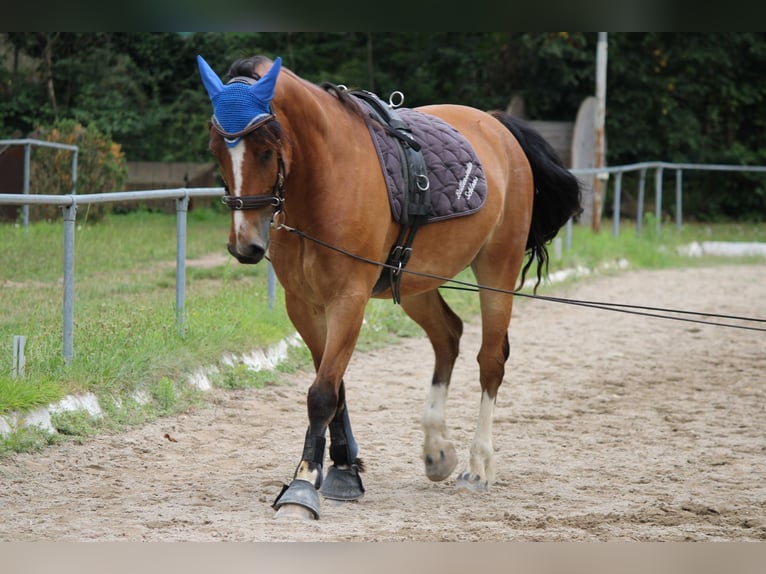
x=457 y=183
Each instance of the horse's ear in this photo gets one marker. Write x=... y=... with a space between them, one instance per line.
x=210 y=79
x=263 y=89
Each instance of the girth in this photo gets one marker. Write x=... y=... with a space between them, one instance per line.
x=416 y=206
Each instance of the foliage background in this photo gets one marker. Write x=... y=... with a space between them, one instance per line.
x=101 y=166
x=685 y=97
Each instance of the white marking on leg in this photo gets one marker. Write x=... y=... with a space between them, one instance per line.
x=237 y=154
x=482 y=451
x=439 y=454
x=304 y=472
x=433 y=417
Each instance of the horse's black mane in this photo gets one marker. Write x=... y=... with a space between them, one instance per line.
x=344 y=96
x=246 y=67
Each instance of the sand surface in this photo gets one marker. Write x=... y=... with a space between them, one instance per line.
x=608 y=427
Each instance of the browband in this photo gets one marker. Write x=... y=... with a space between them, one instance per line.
x=254 y=124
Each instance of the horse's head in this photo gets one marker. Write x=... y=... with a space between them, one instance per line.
x=245 y=138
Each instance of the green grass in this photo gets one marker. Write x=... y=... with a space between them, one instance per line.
x=652 y=250
x=27 y=439
x=22 y=394
x=125 y=336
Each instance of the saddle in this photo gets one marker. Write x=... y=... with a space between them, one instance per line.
x=431 y=171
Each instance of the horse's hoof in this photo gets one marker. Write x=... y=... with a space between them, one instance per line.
x=300 y=499
x=467 y=481
x=441 y=464
x=342 y=484
x=294 y=512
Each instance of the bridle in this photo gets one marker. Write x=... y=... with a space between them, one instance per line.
x=275 y=199
x=277 y=196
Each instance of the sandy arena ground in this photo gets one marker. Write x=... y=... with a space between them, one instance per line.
x=608 y=427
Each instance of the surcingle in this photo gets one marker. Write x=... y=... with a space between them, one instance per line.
x=457 y=183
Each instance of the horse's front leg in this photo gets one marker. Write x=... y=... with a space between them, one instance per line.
x=342 y=481
x=326 y=405
x=301 y=497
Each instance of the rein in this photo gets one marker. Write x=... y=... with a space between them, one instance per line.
x=618 y=307
x=276 y=200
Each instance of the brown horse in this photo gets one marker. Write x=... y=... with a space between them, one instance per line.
x=306 y=189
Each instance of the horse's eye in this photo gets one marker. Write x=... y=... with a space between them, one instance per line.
x=267 y=155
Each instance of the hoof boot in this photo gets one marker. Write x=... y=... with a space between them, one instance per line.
x=300 y=493
x=342 y=483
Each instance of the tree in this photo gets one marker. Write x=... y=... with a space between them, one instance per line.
x=673 y=96
x=692 y=98
x=101 y=166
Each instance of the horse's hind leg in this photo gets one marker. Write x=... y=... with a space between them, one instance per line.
x=481 y=471
x=444 y=329
x=493 y=354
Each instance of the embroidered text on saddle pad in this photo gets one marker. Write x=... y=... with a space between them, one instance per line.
x=457 y=183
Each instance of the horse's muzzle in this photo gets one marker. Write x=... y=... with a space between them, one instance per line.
x=249 y=254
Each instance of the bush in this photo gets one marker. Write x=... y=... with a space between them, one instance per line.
x=101 y=167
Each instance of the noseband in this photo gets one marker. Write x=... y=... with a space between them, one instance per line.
x=276 y=198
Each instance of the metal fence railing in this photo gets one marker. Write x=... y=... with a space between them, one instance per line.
x=28 y=145
x=69 y=204
x=659 y=168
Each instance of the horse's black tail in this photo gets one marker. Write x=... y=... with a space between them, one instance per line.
x=557 y=192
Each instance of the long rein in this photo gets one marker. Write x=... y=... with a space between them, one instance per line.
x=659 y=312
x=276 y=201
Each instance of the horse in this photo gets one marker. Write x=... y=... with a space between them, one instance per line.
x=304 y=181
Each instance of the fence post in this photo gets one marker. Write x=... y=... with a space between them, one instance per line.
x=271 y=285
x=182 y=207
x=27 y=164
x=658 y=199
x=70 y=213
x=640 y=212
x=17 y=368
x=74 y=171
x=616 y=209
x=679 y=203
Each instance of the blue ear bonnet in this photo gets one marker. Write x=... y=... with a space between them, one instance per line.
x=240 y=103
x=236 y=106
